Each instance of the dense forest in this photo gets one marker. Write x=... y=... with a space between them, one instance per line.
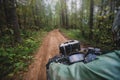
x=22 y=21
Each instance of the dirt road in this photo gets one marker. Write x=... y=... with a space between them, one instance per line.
x=48 y=49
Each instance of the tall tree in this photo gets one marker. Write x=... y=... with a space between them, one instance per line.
x=91 y=19
x=62 y=13
x=81 y=19
x=11 y=18
x=1 y=20
x=66 y=14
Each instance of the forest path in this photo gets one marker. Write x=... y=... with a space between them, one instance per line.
x=48 y=49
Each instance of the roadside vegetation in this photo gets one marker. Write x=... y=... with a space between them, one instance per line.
x=15 y=59
x=76 y=34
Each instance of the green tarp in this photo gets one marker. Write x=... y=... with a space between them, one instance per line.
x=106 y=67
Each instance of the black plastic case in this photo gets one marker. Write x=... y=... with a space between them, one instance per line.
x=69 y=47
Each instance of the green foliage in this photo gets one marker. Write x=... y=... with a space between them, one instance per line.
x=17 y=58
x=101 y=41
x=74 y=34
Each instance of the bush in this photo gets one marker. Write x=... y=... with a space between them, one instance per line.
x=17 y=58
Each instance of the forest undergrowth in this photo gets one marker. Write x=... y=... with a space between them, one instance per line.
x=76 y=34
x=15 y=59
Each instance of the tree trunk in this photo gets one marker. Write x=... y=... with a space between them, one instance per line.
x=112 y=8
x=0 y=17
x=82 y=31
x=91 y=19
x=11 y=17
x=66 y=15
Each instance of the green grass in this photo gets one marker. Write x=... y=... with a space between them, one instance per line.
x=76 y=34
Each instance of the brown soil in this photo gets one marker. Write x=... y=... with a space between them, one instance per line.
x=48 y=49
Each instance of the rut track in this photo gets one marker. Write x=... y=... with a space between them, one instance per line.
x=48 y=49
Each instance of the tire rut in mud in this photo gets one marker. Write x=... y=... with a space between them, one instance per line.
x=48 y=49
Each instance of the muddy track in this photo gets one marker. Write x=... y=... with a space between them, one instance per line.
x=48 y=49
